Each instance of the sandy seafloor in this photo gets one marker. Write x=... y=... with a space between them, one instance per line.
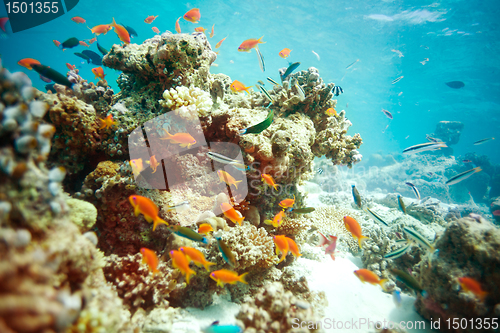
x=348 y=298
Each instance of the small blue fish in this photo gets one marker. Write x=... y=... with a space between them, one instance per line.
x=320 y=171
x=396 y=297
x=216 y=328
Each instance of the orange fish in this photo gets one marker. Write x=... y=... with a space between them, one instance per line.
x=471 y=285
x=292 y=246
x=3 y=22
x=70 y=67
x=231 y=213
x=180 y=262
x=268 y=179
x=98 y=72
x=285 y=53
x=82 y=43
x=354 y=228
x=155 y=29
x=281 y=246
x=199 y=29
x=220 y=42
x=147 y=208
x=237 y=86
x=331 y=112
x=153 y=163
x=149 y=257
x=178 y=26
x=183 y=139
x=276 y=222
x=196 y=256
x=249 y=44
x=193 y=15
x=101 y=29
x=27 y=62
x=287 y=203
x=205 y=228
x=368 y=276
x=137 y=166
x=227 y=178
x=93 y=40
x=212 y=32
x=56 y=42
x=78 y=19
x=121 y=32
x=150 y=19
x=226 y=276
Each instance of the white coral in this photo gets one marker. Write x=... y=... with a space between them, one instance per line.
x=185 y=101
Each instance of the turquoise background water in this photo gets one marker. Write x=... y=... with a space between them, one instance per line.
x=460 y=38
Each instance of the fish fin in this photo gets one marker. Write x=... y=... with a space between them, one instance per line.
x=243 y=131
x=240 y=220
x=241 y=278
x=347 y=227
x=270 y=222
x=168 y=135
x=322 y=240
x=276 y=187
x=236 y=183
x=261 y=42
x=158 y=221
x=382 y=284
x=332 y=256
x=137 y=210
x=207 y=264
x=361 y=240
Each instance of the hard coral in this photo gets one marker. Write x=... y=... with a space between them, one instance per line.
x=183 y=101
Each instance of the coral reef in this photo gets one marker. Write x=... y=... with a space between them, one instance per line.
x=467 y=248
x=448 y=131
x=186 y=102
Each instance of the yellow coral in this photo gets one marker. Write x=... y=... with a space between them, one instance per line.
x=185 y=101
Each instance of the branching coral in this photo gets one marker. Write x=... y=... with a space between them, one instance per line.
x=184 y=101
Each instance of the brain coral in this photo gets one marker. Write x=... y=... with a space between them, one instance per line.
x=184 y=100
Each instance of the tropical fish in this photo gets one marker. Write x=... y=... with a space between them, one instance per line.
x=226 y=252
x=44 y=79
x=212 y=32
x=287 y=203
x=496 y=212
x=226 y=160
x=424 y=61
x=52 y=74
x=122 y=33
x=69 y=43
x=27 y=62
x=153 y=163
x=56 y=42
x=471 y=285
x=424 y=147
x=205 y=228
x=180 y=262
x=83 y=56
x=397 y=79
x=178 y=26
x=193 y=15
x=147 y=208
x=317 y=55
x=419 y=239
x=78 y=19
x=92 y=40
x=462 y=176
x=352 y=64
x=231 y=213
x=337 y=90
x=156 y=30
x=99 y=73
x=187 y=233
x=226 y=276
x=331 y=112
x=149 y=257
x=285 y=53
x=455 y=84
x=356 y=196
x=400 y=55
x=95 y=58
x=305 y=210
x=137 y=166
x=276 y=222
x=415 y=190
x=302 y=94
x=398 y=253
x=107 y=122
x=130 y=30
x=330 y=249
x=354 y=228
x=366 y=275
x=196 y=256
x=256 y=129
x=268 y=179
x=396 y=297
x=408 y=280
x=387 y=114
x=479 y=142
x=82 y=43
x=180 y=207
x=237 y=86
x=102 y=49
x=292 y=247
x=260 y=57
x=199 y=29
x=227 y=178
x=220 y=42
x=281 y=246
x=376 y=217
x=401 y=204
x=216 y=328
x=3 y=23
x=150 y=19
x=183 y=139
x=261 y=87
x=320 y=171
x=289 y=70
x=249 y=44
x=101 y=29
x=272 y=81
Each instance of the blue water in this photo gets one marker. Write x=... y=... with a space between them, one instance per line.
x=460 y=38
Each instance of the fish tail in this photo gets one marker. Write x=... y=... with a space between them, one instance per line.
x=157 y=221
x=189 y=272
x=361 y=240
x=322 y=240
x=240 y=220
x=243 y=131
x=382 y=284
x=241 y=278
x=169 y=136
x=268 y=222
x=259 y=40
x=276 y=187
x=478 y=169
x=236 y=183
x=207 y=264
x=332 y=256
x=114 y=23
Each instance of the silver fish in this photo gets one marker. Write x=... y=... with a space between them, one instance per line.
x=261 y=60
x=376 y=217
x=415 y=189
x=180 y=207
x=356 y=196
x=401 y=204
x=418 y=238
x=226 y=160
x=483 y=141
x=462 y=176
x=272 y=81
x=352 y=64
x=398 y=253
x=301 y=92
x=266 y=93
x=424 y=147
x=397 y=79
